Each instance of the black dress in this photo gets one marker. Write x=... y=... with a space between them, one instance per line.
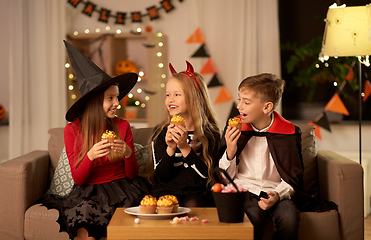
x=186 y=178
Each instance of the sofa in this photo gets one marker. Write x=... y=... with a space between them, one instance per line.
x=327 y=175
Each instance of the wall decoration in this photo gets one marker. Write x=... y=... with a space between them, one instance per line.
x=215 y=82
x=208 y=68
x=136 y=16
x=367 y=90
x=336 y=105
x=224 y=96
x=2 y=112
x=322 y=120
x=317 y=130
x=234 y=111
x=201 y=52
x=196 y=37
x=125 y=66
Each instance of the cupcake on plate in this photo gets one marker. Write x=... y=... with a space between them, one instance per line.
x=174 y=201
x=164 y=206
x=148 y=205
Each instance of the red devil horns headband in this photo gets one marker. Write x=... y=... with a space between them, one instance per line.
x=190 y=72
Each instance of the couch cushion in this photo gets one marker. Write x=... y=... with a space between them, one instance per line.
x=41 y=224
x=62 y=182
x=309 y=159
x=55 y=146
x=319 y=226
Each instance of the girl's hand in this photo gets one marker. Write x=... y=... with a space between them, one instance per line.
x=265 y=204
x=232 y=134
x=180 y=135
x=120 y=147
x=100 y=149
x=171 y=145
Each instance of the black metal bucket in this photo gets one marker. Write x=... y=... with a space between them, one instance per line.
x=231 y=206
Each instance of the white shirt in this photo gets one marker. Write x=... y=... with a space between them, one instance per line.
x=256 y=170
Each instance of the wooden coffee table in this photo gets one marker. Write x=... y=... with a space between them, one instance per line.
x=122 y=226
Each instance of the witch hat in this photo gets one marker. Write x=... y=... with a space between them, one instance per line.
x=91 y=80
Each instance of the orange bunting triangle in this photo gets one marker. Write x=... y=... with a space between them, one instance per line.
x=224 y=96
x=350 y=75
x=196 y=37
x=367 y=90
x=336 y=105
x=317 y=130
x=208 y=68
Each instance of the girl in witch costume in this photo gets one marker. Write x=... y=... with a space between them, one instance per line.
x=103 y=181
x=183 y=154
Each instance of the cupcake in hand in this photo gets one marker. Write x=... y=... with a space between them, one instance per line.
x=177 y=120
x=235 y=122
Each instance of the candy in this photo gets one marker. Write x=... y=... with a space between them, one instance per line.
x=137 y=220
x=193 y=219
x=205 y=220
x=176 y=220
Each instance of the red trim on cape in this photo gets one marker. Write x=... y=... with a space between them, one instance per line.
x=280 y=125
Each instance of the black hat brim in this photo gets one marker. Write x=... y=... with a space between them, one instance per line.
x=125 y=82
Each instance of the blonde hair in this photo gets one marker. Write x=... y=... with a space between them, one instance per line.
x=202 y=113
x=93 y=123
x=266 y=86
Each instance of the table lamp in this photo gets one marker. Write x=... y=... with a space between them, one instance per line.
x=348 y=34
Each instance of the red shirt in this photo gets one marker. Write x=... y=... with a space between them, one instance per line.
x=93 y=172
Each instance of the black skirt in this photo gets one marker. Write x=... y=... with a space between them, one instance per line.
x=92 y=206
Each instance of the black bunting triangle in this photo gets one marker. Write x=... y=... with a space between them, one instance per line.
x=322 y=121
x=214 y=81
x=234 y=111
x=201 y=52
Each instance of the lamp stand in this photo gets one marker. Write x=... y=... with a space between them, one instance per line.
x=360 y=111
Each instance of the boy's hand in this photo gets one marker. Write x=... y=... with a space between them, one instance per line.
x=265 y=204
x=231 y=137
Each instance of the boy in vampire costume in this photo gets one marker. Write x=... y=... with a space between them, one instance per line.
x=265 y=158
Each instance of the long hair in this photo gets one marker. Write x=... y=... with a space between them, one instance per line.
x=202 y=113
x=93 y=123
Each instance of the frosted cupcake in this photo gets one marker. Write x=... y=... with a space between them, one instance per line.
x=148 y=205
x=235 y=122
x=164 y=206
x=174 y=200
x=178 y=120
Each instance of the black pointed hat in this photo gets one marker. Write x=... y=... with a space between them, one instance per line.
x=91 y=80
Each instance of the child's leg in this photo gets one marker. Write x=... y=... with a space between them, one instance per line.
x=286 y=217
x=256 y=215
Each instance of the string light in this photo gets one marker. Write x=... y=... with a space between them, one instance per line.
x=67 y=65
x=317 y=65
x=70 y=76
x=139 y=90
x=70 y=87
x=75 y=33
x=139 y=30
x=137 y=103
x=108 y=28
x=130 y=95
x=143 y=105
x=162 y=85
x=73 y=96
x=86 y=31
x=119 y=106
x=118 y=31
x=160 y=65
x=160 y=44
x=159 y=54
x=159 y=34
x=163 y=75
x=97 y=30
x=139 y=79
x=146 y=98
x=335 y=84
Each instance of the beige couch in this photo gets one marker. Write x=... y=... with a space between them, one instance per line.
x=333 y=177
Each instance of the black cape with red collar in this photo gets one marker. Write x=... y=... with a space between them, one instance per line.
x=284 y=143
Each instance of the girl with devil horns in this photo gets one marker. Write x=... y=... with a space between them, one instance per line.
x=183 y=154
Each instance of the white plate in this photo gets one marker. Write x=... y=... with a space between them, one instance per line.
x=136 y=212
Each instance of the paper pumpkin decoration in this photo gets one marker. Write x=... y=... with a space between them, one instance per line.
x=125 y=66
x=2 y=112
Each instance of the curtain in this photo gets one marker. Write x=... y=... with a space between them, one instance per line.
x=36 y=76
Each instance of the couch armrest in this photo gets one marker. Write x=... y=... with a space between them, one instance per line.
x=341 y=181
x=22 y=181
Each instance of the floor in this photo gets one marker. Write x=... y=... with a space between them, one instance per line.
x=368 y=228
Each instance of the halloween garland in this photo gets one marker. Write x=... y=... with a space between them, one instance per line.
x=105 y=14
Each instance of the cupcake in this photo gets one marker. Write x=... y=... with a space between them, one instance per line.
x=164 y=206
x=148 y=205
x=177 y=120
x=110 y=136
x=235 y=122
x=174 y=200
